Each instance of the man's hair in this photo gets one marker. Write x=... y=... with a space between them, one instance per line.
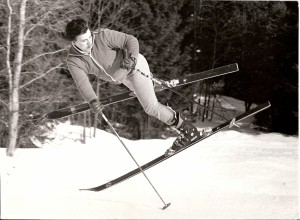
x=75 y=28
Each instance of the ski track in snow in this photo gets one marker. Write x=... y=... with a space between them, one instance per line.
x=230 y=175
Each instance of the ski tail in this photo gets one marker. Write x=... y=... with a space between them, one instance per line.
x=60 y=113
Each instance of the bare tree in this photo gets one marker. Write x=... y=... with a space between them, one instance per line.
x=33 y=50
x=14 y=77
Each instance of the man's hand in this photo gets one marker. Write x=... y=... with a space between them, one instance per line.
x=96 y=106
x=128 y=63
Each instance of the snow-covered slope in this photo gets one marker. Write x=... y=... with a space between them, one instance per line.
x=230 y=175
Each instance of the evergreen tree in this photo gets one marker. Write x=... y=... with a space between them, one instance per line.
x=261 y=36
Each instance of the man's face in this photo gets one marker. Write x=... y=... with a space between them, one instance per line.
x=84 y=41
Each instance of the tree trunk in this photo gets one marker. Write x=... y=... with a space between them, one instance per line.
x=212 y=110
x=84 y=128
x=11 y=142
x=90 y=123
x=198 y=112
x=205 y=103
x=248 y=105
x=96 y=114
x=14 y=80
x=13 y=122
x=208 y=102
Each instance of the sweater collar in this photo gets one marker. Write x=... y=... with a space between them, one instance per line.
x=75 y=51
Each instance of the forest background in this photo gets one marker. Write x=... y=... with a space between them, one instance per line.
x=177 y=37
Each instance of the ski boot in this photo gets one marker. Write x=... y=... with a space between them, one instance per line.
x=188 y=133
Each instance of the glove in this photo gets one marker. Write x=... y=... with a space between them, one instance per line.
x=128 y=63
x=96 y=106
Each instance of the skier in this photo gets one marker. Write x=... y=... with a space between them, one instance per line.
x=114 y=56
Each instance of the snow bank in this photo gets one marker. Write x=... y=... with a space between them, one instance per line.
x=230 y=175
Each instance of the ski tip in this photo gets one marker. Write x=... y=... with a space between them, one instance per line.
x=233 y=66
x=237 y=67
x=166 y=206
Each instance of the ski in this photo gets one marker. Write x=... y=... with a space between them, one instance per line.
x=165 y=157
x=60 y=113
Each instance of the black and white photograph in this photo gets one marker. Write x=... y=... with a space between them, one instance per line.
x=147 y=109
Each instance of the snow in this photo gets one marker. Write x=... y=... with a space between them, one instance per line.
x=232 y=175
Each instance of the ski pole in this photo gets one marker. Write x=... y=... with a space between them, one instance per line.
x=107 y=121
x=173 y=90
